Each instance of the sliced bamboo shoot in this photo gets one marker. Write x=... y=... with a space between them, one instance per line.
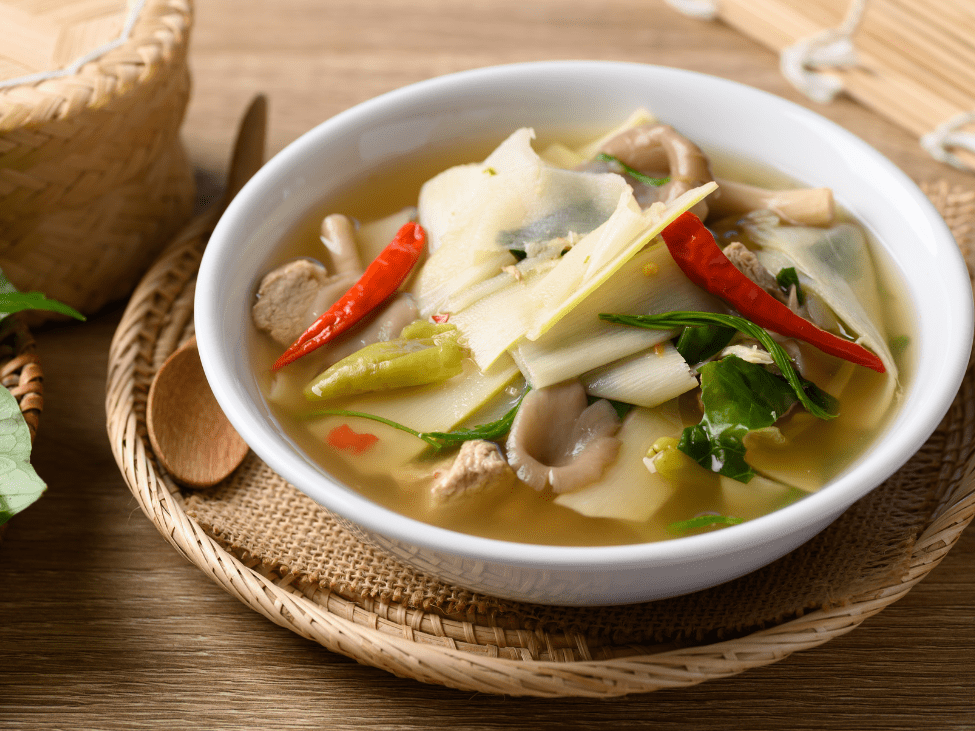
x=649 y=283
x=646 y=379
x=574 y=279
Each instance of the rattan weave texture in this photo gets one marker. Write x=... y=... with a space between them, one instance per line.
x=509 y=650
x=93 y=177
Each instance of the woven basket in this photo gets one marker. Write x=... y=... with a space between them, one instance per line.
x=93 y=178
x=468 y=648
x=20 y=373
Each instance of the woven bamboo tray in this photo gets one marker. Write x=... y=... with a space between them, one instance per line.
x=94 y=180
x=414 y=627
x=20 y=373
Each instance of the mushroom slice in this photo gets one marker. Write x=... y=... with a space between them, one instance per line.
x=339 y=238
x=643 y=148
x=557 y=441
x=803 y=206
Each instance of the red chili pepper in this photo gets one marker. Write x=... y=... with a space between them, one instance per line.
x=379 y=281
x=699 y=257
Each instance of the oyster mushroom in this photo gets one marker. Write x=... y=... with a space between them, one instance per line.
x=557 y=441
x=655 y=148
x=799 y=206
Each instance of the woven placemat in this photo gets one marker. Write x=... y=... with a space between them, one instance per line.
x=287 y=558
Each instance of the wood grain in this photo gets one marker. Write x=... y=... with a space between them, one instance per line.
x=104 y=626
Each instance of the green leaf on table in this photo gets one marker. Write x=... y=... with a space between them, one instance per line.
x=13 y=301
x=19 y=484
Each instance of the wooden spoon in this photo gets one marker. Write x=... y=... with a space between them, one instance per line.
x=189 y=432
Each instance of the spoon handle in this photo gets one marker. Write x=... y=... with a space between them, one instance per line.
x=248 y=155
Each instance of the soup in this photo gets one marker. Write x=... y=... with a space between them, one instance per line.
x=564 y=364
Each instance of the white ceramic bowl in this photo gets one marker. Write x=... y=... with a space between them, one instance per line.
x=492 y=102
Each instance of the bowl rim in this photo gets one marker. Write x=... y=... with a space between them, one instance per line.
x=373 y=517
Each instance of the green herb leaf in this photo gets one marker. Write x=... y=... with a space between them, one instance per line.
x=438 y=440
x=703 y=521
x=633 y=172
x=818 y=402
x=13 y=301
x=738 y=397
x=19 y=301
x=788 y=278
x=697 y=344
x=19 y=484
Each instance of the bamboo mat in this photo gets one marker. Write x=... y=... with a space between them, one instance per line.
x=912 y=62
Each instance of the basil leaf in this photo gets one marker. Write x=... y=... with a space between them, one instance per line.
x=19 y=484
x=738 y=397
x=697 y=344
x=490 y=431
x=820 y=404
x=787 y=278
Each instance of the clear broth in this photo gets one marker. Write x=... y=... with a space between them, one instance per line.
x=520 y=513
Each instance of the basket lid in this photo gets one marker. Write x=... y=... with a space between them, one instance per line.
x=45 y=39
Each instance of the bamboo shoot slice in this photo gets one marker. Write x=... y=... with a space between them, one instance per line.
x=649 y=283
x=573 y=280
x=646 y=379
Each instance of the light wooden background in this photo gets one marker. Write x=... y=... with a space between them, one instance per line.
x=104 y=626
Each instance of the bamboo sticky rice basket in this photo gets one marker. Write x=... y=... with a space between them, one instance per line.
x=93 y=177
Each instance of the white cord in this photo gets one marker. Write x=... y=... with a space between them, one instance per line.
x=938 y=143
x=698 y=9
x=803 y=62
x=134 y=11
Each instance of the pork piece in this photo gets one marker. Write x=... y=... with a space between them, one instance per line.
x=478 y=466
x=748 y=264
x=557 y=441
x=292 y=296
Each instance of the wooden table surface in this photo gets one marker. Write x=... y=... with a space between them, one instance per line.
x=104 y=626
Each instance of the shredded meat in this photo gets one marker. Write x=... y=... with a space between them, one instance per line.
x=478 y=466
x=748 y=264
